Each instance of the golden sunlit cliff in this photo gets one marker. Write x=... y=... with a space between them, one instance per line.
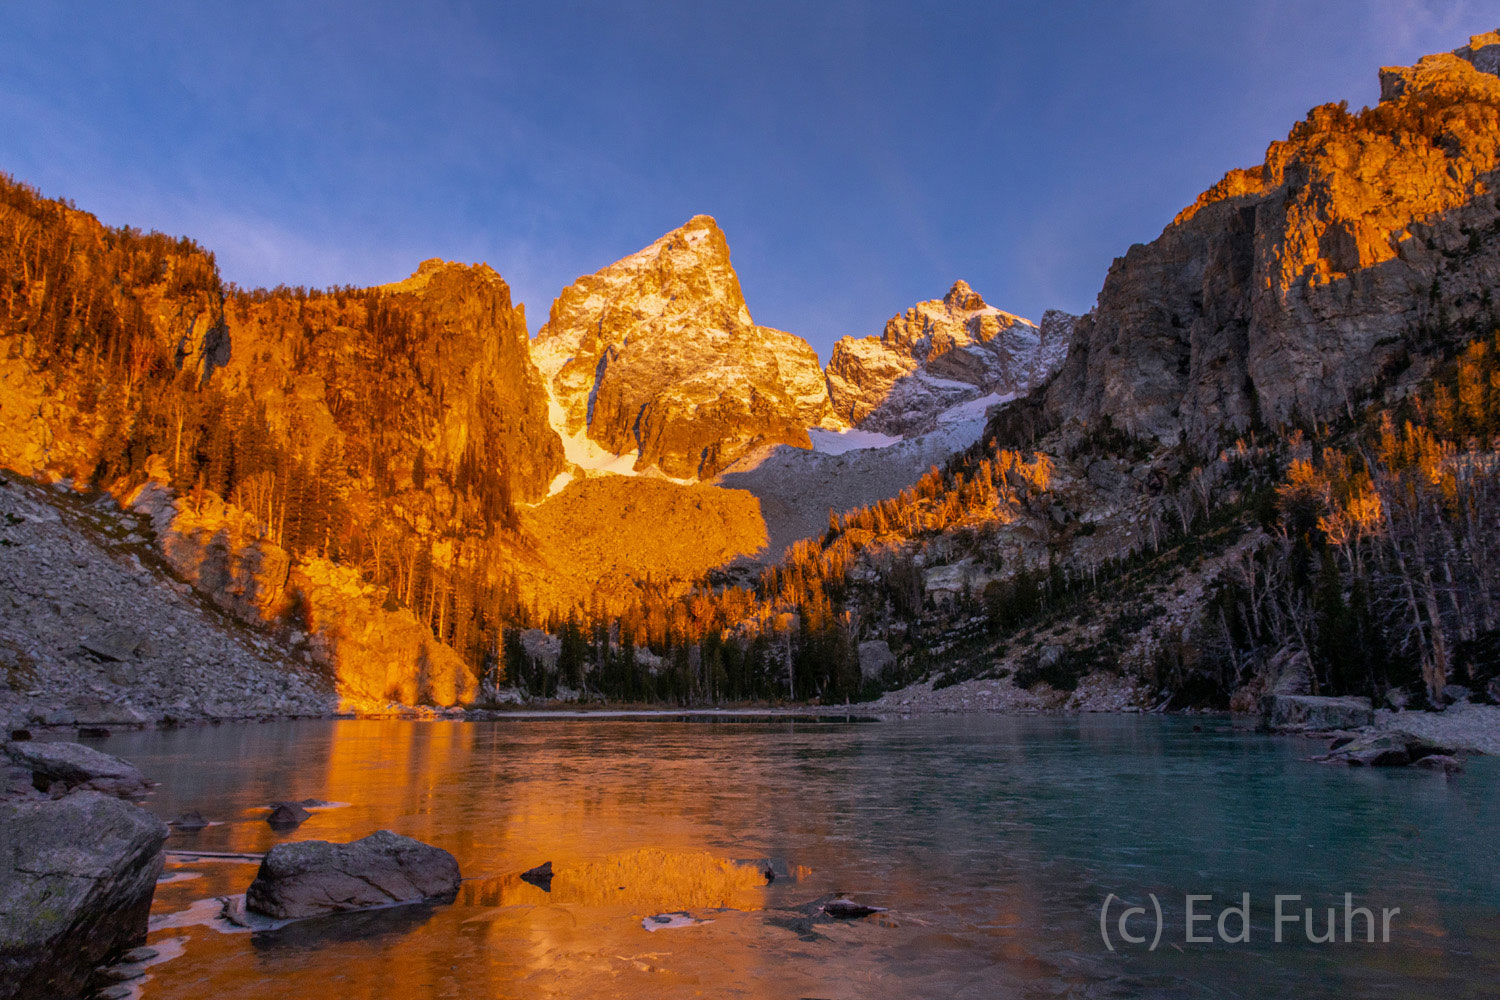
x=402 y=481
x=1287 y=289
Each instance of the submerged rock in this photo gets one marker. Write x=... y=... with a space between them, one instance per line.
x=287 y=814
x=190 y=822
x=314 y=877
x=805 y=919
x=671 y=921
x=76 y=879
x=1379 y=750
x=1440 y=762
x=848 y=909
x=67 y=767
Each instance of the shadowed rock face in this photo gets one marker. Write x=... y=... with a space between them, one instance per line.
x=1286 y=289
x=657 y=353
x=936 y=355
x=67 y=767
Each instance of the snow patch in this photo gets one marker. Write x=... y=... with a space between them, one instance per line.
x=837 y=442
x=974 y=408
x=582 y=453
x=957 y=427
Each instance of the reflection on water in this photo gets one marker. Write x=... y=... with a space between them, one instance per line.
x=990 y=842
x=646 y=879
x=365 y=927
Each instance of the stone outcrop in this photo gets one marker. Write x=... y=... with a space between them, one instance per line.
x=1296 y=711
x=657 y=355
x=220 y=549
x=937 y=355
x=77 y=872
x=314 y=877
x=875 y=658
x=1286 y=290
x=375 y=653
x=440 y=361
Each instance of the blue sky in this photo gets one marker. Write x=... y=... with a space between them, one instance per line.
x=859 y=156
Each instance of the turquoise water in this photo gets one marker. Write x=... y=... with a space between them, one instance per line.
x=991 y=842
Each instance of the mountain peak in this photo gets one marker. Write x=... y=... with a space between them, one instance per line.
x=961 y=296
x=934 y=359
x=657 y=355
x=434 y=267
x=1288 y=288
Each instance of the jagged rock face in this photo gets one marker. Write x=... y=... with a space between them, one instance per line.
x=481 y=358
x=657 y=354
x=939 y=354
x=452 y=372
x=1285 y=290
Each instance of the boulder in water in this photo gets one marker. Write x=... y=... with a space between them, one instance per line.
x=76 y=879
x=1387 y=749
x=540 y=876
x=314 y=877
x=1440 y=762
x=848 y=909
x=190 y=822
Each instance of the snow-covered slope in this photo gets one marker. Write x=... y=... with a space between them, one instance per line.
x=797 y=487
x=915 y=396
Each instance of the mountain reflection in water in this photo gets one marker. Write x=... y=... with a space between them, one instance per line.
x=990 y=842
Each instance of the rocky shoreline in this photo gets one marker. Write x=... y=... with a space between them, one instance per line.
x=96 y=632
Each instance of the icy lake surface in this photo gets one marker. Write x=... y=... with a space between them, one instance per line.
x=983 y=849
